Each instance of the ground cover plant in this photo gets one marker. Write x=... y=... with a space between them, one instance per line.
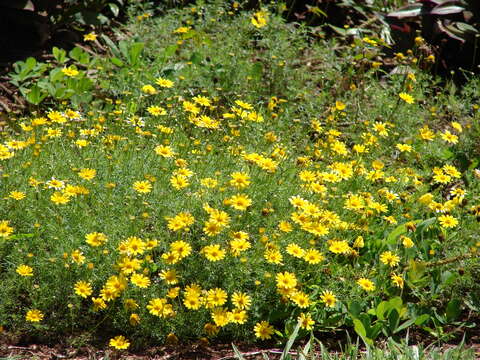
x=237 y=175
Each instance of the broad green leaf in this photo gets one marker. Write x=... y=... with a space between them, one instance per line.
x=359 y=328
x=453 y=309
x=380 y=311
x=114 y=9
x=116 y=61
x=169 y=52
x=420 y=320
x=393 y=320
x=35 y=95
x=423 y=225
x=395 y=303
x=354 y=308
x=59 y=54
x=134 y=53
x=416 y=270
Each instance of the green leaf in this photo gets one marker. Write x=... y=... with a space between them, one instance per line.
x=375 y=331
x=113 y=48
x=422 y=226
x=81 y=56
x=395 y=303
x=412 y=10
x=290 y=342
x=393 y=320
x=35 y=95
x=359 y=328
x=447 y=278
x=416 y=270
x=134 y=53
x=257 y=71
x=56 y=75
x=116 y=61
x=354 y=308
x=114 y=9
x=302 y=354
x=59 y=54
x=317 y=11
x=404 y=325
x=399 y=230
x=196 y=58
x=446 y=154
x=170 y=51
x=446 y=10
x=380 y=311
x=420 y=320
x=454 y=309
x=237 y=353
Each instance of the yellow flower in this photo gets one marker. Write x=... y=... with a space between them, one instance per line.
x=170 y=276
x=328 y=298
x=164 y=83
x=164 y=151
x=34 y=315
x=90 y=37
x=83 y=289
x=239 y=202
x=407 y=242
x=241 y=300
x=397 y=280
x=239 y=180
x=134 y=319
x=59 y=198
x=449 y=137
x=313 y=256
x=238 y=316
x=140 y=280
x=295 y=250
x=407 y=98
x=98 y=304
x=156 y=110
x=263 y=330
x=448 y=221
x=179 y=181
x=306 y=321
x=87 y=174
x=339 y=247
x=24 y=270
x=95 y=239
x=70 y=71
x=213 y=252
x=366 y=284
x=81 y=143
x=16 y=195
x=389 y=258
x=157 y=307
x=404 y=147
x=149 y=89
x=142 y=187
x=216 y=297
x=259 y=19
x=286 y=280
x=119 y=342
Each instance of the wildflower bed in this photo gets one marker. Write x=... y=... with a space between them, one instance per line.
x=226 y=188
